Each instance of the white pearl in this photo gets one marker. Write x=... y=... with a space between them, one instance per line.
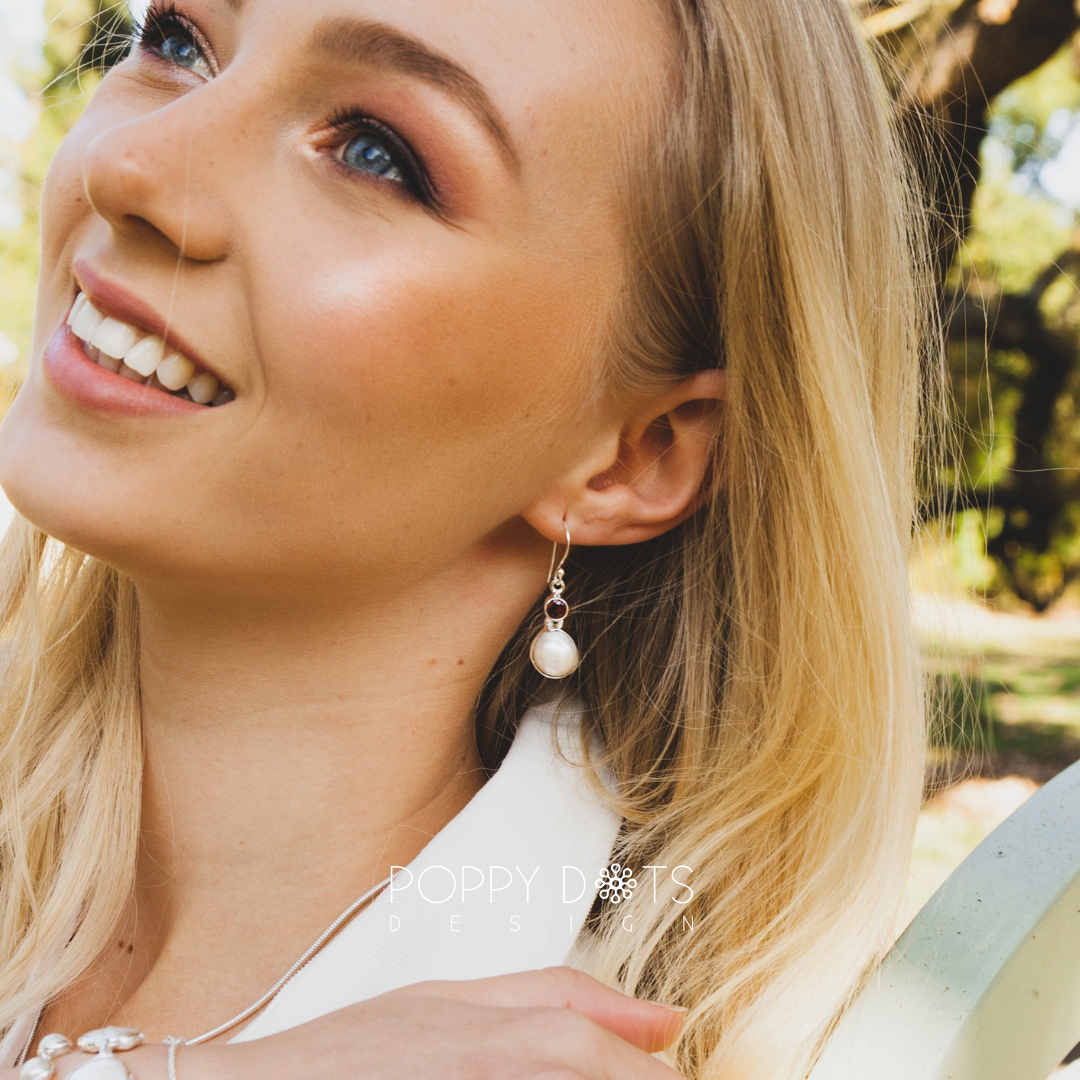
x=554 y=654
x=37 y=1068
x=54 y=1045
x=110 y=1038
x=103 y=1067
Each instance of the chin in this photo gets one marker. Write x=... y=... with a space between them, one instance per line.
x=59 y=485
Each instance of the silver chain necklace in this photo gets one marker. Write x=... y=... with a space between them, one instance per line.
x=274 y=990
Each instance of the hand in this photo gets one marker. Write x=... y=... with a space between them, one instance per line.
x=556 y=1024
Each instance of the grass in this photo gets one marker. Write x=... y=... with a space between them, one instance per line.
x=1005 y=714
x=1007 y=704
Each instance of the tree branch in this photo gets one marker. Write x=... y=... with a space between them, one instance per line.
x=956 y=70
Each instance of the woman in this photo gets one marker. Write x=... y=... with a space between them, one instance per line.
x=350 y=311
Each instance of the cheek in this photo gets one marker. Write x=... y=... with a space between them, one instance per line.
x=432 y=371
x=63 y=199
x=65 y=214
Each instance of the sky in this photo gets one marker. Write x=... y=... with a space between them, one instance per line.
x=1060 y=177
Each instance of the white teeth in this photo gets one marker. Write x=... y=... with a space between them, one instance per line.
x=145 y=356
x=175 y=371
x=203 y=388
x=80 y=303
x=87 y=321
x=122 y=348
x=114 y=338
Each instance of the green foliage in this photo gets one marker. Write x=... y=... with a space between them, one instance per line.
x=60 y=90
x=1022 y=710
x=1018 y=231
x=1030 y=102
x=951 y=556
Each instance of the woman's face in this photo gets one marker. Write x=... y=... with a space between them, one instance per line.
x=391 y=228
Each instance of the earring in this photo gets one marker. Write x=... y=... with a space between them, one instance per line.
x=554 y=653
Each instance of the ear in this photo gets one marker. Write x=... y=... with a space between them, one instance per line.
x=645 y=479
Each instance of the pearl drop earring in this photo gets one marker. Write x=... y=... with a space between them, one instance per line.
x=554 y=653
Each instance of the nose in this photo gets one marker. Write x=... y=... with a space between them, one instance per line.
x=158 y=173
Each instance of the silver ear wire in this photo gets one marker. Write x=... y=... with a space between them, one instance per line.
x=554 y=653
x=552 y=571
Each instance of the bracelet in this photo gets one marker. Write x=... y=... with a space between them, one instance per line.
x=42 y=1067
x=102 y=1042
x=174 y=1045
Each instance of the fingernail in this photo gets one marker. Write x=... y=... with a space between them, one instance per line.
x=670 y=1008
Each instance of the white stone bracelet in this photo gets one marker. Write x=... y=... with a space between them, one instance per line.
x=101 y=1042
x=42 y=1067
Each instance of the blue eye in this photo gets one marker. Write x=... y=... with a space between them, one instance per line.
x=364 y=145
x=371 y=154
x=182 y=51
x=168 y=35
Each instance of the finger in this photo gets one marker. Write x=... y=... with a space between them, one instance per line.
x=621 y=1061
x=647 y=1025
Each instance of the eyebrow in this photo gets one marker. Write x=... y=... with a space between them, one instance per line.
x=359 y=41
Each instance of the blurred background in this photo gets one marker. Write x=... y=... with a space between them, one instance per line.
x=987 y=93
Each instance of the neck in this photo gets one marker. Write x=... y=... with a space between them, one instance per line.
x=294 y=754
x=286 y=739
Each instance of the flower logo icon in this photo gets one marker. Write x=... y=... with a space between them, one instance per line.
x=616 y=883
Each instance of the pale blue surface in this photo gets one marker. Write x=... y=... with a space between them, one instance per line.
x=985 y=983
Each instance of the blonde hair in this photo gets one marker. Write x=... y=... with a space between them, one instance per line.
x=752 y=674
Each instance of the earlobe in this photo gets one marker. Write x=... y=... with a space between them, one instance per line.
x=652 y=480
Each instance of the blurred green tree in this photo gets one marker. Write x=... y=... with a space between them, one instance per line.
x=989 y=98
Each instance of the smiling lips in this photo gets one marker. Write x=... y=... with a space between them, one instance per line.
x=141 y=357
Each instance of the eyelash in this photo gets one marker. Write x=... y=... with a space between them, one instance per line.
x=347 y=122
x=164 y=19
x=160 y=20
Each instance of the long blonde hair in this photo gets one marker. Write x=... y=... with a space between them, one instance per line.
x=752 y=674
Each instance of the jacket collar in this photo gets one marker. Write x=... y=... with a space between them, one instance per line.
x=504 y=887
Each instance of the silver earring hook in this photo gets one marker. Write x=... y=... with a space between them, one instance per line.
x=553 y=571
